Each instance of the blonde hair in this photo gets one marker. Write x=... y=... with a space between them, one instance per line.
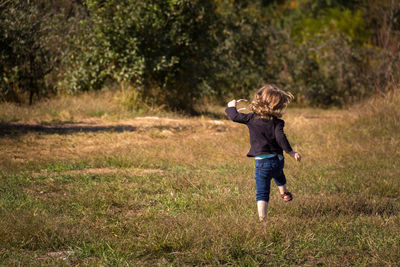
x=270 y=101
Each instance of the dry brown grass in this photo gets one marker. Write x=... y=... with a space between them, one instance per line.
x=179 y=191
x=105 y=106
x=63 y=141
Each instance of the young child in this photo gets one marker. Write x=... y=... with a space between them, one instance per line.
x=267 y=140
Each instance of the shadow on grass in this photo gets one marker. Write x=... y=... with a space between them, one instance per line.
x=18 y=129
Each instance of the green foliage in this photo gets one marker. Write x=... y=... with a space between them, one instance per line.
x=162 y=47
x=243 y=50
x=323 y=57
x=327 y=59
x=317 y=6
x=31 y=38
x=333 y=62
x=173 y=53
x=329 y=73
x=349 y=24
x=25 y=58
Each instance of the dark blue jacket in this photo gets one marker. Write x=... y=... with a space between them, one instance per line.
x=266 y=136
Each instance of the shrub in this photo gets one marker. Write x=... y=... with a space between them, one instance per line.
x=163 y=48
x=31 y=46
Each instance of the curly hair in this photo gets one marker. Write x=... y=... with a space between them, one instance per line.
x=270 y=101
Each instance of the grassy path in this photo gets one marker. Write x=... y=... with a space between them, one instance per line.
x=179 y=191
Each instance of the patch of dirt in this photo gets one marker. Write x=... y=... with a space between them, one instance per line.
x=27 y=142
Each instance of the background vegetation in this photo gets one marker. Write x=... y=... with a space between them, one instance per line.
x=177 y=53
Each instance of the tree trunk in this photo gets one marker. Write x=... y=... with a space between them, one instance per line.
x=30 y=98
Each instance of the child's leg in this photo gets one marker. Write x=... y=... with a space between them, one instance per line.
x=280 y=178
x=285 y=194
x=262 y=207
x=282 y=189
x=263 y=182
x=280 y=181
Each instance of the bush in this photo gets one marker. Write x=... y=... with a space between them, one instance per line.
x=173 y=52
x=328 y=60
x=163 y=48
x=31 y=46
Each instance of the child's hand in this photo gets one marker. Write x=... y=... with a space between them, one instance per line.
x=232 y=104
x=295 y=155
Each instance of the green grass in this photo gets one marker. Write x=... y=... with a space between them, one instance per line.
x=187 y=196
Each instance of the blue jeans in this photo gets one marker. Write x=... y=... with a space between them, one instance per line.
x=266 y=169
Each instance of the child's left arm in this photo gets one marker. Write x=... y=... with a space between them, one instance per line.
x=283 y=142
x=295 y=155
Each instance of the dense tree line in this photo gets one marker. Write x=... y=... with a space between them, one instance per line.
x=175 y=52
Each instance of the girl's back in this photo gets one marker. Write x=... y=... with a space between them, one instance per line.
x=266 y=135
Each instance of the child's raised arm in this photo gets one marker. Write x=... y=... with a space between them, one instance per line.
x=233 y=114
x=234 y=102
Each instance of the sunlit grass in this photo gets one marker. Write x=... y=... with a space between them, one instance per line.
x=107 y=105
x=183 y=193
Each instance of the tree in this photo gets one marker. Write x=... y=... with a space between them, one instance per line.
x=31 y=46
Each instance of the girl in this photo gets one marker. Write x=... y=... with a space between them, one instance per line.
x=267 y=141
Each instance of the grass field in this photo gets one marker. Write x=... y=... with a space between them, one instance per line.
x=84 y=182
